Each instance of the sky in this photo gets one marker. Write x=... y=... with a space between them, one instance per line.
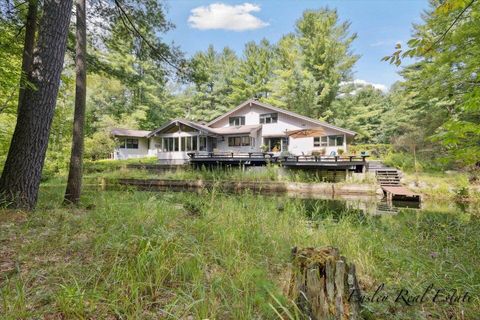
x=379 y=24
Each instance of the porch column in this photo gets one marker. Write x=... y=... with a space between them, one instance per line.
x=198 y=142
x=345 y=143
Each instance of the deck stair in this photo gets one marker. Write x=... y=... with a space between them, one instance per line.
x=389 y=180
x=388 y=177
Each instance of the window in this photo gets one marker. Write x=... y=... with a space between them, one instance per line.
x=170 y=144
x=129 y=144
x=269 y=118
x=203 y=144
x=328 y=141
x=339 y=141
x=240 y=141
x=236 y=121
x=188 y=143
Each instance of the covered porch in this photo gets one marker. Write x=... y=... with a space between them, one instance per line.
x=176 y=139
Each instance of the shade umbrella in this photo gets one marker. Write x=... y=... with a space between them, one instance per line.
x=305 y=133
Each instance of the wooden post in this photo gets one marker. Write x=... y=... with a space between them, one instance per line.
x=324 y=285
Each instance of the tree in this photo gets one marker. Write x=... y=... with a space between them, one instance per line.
x=325 y=45
x=293 y=86
x=74 y=182
x=212 y=75
x=29 y=44
x=361 y=109
x=443 y=84
x=253 y=78
x=20 y=178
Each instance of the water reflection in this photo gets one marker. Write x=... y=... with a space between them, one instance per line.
x=316 y=206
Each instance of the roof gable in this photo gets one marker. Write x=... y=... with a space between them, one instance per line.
x=188 y=123
x=279 y=110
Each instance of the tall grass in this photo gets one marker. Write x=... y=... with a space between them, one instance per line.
x=150 y=255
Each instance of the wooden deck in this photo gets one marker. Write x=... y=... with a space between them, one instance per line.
x=231 y=158
x=262 y=158
x=400 y=193
x=353 y=163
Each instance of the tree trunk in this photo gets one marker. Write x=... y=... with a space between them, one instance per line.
x=29 y=44
x=21 y=175
x=74 y=184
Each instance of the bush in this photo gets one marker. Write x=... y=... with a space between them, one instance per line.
x=374 y=150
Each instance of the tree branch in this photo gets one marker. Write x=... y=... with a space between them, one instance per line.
x=135 y=30
x=457 y=18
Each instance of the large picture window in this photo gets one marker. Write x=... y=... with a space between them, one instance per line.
x=170 y=144
x=328 y=141
x=242 y=141
x=269 y=118
x=236 y=121
x=203 y=144
x=188 y=143
x=129 y=144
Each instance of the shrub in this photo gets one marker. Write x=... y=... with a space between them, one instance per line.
x=374 y=150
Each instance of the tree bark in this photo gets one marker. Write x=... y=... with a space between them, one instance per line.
x=323 y=285
x=21 y=175
x=29 y=44
x=74 y=184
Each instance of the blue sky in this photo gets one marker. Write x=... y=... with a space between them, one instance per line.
x=379 y=25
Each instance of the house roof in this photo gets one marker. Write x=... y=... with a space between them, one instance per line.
x=290 y=113
x=237 y=129
x=186 y=122
x=120 y=132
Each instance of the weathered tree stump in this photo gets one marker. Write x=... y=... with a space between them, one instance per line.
x=322 y=283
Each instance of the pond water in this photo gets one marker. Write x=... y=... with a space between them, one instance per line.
x=317 y=205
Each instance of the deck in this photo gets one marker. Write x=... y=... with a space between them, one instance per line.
x=353 y=163
x=231 y=158
x=389 y=180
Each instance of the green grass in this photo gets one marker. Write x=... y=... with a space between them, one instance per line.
x=131 y=254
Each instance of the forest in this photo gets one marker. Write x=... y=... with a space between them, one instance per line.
x=430 y=120
x=76 y=243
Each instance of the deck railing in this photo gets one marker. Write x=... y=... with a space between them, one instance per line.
x=323 y=158
x=231 y=155
x=271 y=156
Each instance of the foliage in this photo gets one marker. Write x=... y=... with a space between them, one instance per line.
x=376 y=151
x=302 y=72
x=325 y=44
x=123 y=252
x=361 y=109
x=443 y=83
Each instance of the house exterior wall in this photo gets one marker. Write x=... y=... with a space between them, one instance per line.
x=141 y=152
x=222 y=144
x=284 y=123
x=305 y=146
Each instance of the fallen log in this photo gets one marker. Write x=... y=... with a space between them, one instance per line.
x=322 y=283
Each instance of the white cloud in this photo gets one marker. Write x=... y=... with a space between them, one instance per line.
x=385 y=43
x=359 y=83
x=378 y=86
x=227 y=17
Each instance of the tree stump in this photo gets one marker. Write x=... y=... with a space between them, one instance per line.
x=322 y=283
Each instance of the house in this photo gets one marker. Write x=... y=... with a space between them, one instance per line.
x=252 y=126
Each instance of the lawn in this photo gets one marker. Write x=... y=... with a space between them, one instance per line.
x=132 y=254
